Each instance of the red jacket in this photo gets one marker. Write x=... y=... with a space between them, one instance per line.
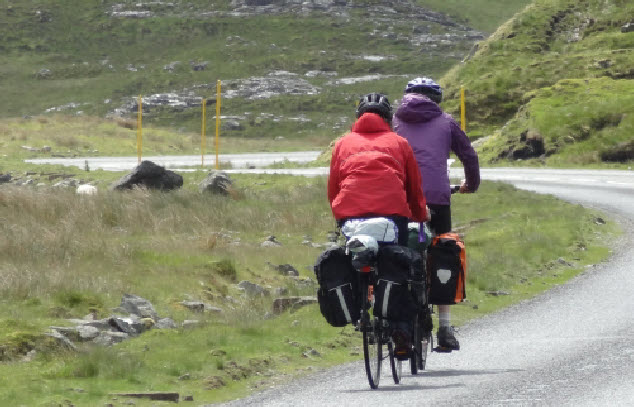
x=373 y=171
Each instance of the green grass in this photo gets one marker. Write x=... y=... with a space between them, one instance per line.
x=578 y=133
x=65 y=256
x=536 y=49
x=485 y=15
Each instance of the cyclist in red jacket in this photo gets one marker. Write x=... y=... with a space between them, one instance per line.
x=373 y=171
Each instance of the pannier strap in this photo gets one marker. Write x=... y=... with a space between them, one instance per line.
x=344 y=306
x=386 y=296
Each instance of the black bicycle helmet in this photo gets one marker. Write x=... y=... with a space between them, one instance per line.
x=425 y=86
x=375 y=103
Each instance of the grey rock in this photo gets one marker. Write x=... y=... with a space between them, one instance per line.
x=196 y=306
x=130 y=326
x=285 y=269
x=627 y=28
x=138 y=306
x=61 y=339
x=149 y=175
x=216 y=182
x=270 y=241
x=165 y=323
x=311 y=353
x=109 y=338
x=87 y=333
x=252 y=289
x=5 y=178
x=292 y=303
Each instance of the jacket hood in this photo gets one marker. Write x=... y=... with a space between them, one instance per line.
x=416 y=108
x=370 y=123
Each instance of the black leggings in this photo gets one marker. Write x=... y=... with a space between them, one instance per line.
x=440 y=218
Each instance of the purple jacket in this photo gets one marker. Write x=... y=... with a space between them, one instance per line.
x=432 y=135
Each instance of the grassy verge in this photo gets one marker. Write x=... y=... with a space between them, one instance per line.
x=64 y=256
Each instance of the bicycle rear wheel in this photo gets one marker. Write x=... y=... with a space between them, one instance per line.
x=395 y=364
x=426 y=344
x=373 y=352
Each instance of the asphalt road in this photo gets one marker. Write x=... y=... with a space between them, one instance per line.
x=572 y=346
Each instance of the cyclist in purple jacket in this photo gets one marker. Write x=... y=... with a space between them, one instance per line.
x=433 y=134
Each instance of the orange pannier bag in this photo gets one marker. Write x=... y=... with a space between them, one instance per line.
x=446 y=269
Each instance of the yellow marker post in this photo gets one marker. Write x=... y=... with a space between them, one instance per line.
x=139 y=129
x=203 y=139
x=463 y=113
x=217 y=121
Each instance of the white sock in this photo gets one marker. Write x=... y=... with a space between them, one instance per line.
x=444 y=315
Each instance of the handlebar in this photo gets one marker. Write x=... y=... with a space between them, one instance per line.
x=454 y=188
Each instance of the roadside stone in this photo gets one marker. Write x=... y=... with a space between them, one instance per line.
x=270 y=241
x=5 y=178
x=131 y=326
x=87 y=333
x=138 y=306
x=149 y=175
x=108 y=338
x=293 y=303
x=216 y=182
x=61 y=339
x=252 y=289
x=214 y=382
x=285 y=269
x=195 y=306
x=165 y=323
x=311 y=353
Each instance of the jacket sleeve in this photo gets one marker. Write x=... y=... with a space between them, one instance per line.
x=461 y=146
x=413 y=186
x=333 y=176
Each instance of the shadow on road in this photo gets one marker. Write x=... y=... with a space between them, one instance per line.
x=401 y=387
x=450 y=373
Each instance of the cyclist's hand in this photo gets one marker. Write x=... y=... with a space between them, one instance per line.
x=428 y=212
x=463 y=188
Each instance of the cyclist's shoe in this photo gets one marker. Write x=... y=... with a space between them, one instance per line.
x=402 y=345
x=447 y=341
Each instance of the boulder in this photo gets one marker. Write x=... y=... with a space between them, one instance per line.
x=149 y=175
x=216 y=182
x=5 y=178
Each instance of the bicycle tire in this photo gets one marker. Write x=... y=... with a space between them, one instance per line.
x=395 y=364
x=373 y=353
x=426 y=337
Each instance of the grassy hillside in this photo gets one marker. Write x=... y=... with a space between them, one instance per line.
x=485 y=15
x=78 y=57
x=542 y=47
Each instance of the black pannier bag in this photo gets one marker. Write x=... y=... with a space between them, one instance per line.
x=397 y=266
x=447 y=270
x=338 y=287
